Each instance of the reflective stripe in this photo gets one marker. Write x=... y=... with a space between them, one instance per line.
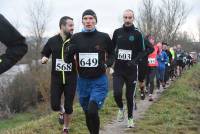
x=0 y=60
x=62 y=57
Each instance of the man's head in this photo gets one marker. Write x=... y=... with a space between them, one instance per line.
x=151 y=39
x=66 y=25
x=159 y=45
x=89 y=19
x=128 y=17
x=178 y=47
x=164 y=46
x=174 y=47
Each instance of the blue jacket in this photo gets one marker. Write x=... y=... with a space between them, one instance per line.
x=162 y=59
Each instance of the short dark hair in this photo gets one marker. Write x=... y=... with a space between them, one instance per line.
x=63 y=20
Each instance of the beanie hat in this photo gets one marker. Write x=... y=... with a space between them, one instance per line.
x=89 y=12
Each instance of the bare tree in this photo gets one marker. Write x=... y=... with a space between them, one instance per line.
x=175 y=14
x=199 y=29
x=39 y=15
x=150 y=20
x=162 y=21
x=145 y=20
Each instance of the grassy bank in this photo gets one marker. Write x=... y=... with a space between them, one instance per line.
x=178 y=109
x=176 y=112
x=49 y=124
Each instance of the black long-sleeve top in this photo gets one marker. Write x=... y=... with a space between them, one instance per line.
x=94 y=51
x=15 y=43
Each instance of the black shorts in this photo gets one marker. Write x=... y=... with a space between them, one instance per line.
x=57 y=89
x=129 y=77
x=142 y=71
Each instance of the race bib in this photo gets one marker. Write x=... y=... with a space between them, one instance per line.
x=88 y=59
x=124 y=54
x=151 y=60
x=62 y=66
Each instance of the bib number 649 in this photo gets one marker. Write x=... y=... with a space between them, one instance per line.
x=88 y=59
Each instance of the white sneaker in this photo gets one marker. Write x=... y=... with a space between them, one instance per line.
x=120 y=115
x=150 y=97
x=131 y=123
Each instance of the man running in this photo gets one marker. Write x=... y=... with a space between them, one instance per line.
x=143 y=66
x=179 y=59
x=167 y=64
x=173 y=64
x=94 y=53
x=152 y=67
x=129 y=46
x=15 y=43
x=162 y=60
x=63 y=75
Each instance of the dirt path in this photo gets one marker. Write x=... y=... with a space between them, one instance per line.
x=115 y=127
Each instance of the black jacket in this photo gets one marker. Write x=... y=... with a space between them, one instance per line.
x=148 y=50
x=54 y=47
x=15 y=43
x=97 y=43
x=128 y=39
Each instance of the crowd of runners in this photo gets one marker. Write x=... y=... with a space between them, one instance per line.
x=80 y=61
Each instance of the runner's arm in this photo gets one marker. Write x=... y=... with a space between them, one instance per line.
x=15 y=43
x=110 y=52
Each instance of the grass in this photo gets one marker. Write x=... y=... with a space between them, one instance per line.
x=49 y=123
x=178 y=109
x=16 y=120
x=176 y=112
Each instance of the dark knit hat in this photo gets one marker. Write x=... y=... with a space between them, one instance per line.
x=89 y=12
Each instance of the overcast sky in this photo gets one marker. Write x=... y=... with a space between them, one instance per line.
x=108 y=12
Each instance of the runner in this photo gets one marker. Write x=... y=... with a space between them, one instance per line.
x=162 y=60
x=179 y=59
x=189 y=61
x=173 y=64
x=152 y=65
x=15 y=43
x=63 y=75
x=129 y=45
x=143 y=66
x=94 y=53
x=167 y=64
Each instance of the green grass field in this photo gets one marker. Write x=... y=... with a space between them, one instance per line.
x=178 y=109
x=23 y=123
x=176 y=112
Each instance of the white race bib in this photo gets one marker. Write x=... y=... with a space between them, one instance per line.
x=88 y=59
x=151 y=60
x=62 y=66
x=124 y=54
